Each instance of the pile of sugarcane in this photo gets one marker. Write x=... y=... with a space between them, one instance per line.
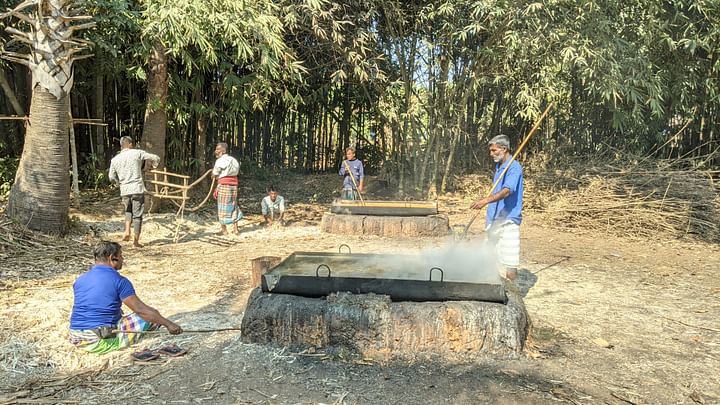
x=633 y=197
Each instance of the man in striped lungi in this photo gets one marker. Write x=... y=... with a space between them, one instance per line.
x=504 y=207
x=226 y=170
x=97 y=323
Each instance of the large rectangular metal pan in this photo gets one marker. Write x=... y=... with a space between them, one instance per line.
x=402 y=277
x=384 y=208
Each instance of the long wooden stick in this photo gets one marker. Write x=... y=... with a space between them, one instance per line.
x=352 y=177
x=165 y=331
x=517 y=152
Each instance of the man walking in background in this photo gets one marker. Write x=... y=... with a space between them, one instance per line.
x=504 y=207
x=353 y=175
x=226 y=170
x=126 y=169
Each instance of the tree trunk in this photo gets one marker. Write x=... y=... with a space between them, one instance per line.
x=345 y=123
x=40 y=196
x=372 y=326
x=449 y=163
x=200 y=134
x=101 y=159
x=155 y=125
x=74 y=162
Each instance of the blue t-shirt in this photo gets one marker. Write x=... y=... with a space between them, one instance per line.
x=99 y=294
x=357 y=170
x=509 y=208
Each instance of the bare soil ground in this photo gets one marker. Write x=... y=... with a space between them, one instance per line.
x=615 y=320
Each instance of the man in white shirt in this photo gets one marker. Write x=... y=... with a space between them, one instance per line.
x=126 y=170
x=225 y=171
x=273 y=207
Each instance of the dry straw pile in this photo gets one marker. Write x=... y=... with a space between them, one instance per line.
x=627 y=196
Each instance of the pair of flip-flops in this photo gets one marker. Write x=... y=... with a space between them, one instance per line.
x=150 y=356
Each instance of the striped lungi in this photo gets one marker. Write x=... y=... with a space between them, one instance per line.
x=505 y=237
x=349 y=193
x=227 y=203
x=87 y=340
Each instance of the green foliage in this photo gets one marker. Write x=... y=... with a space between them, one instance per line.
x=8 y=168
x=434 y=79
x=208 y=34
x=250 y=168
x=115 y=36
x=90 y=175
x=372 y=157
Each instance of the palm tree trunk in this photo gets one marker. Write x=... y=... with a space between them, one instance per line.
x=39 y=198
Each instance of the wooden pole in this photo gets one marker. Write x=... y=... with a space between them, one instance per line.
x=260 y=265
x=145 y=332
x=86 y=121
x=73 y=156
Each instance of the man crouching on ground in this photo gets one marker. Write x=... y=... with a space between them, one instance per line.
x=273 y=207
x=97 y=308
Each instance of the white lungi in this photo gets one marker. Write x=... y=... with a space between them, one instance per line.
x=506 y=239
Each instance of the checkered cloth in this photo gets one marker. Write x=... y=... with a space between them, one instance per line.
x=227 y=204
x=87 y=340
x=349 y=194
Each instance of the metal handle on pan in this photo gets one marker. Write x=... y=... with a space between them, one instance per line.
x=317 y=271
x=442 y=273
x=341 y=246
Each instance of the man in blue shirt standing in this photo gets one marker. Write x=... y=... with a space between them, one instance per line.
x=97 y=308
x=504 y=207
x=353 y=175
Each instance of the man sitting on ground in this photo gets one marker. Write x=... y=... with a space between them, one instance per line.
x=273 y=207
x=97 y=313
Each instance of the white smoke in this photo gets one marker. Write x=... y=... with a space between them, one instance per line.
x=465 y=261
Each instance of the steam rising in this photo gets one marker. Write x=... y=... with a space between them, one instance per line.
x=466 y=262
x=473 y=262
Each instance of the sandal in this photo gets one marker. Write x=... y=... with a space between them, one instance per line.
x=172 y=350
x=145 y=356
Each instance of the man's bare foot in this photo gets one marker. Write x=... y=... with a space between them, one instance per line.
x=235 y=231
x=126 y=238
x=221 y=233
x=138 y=244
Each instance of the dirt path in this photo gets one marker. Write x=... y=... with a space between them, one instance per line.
x=656 y=305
